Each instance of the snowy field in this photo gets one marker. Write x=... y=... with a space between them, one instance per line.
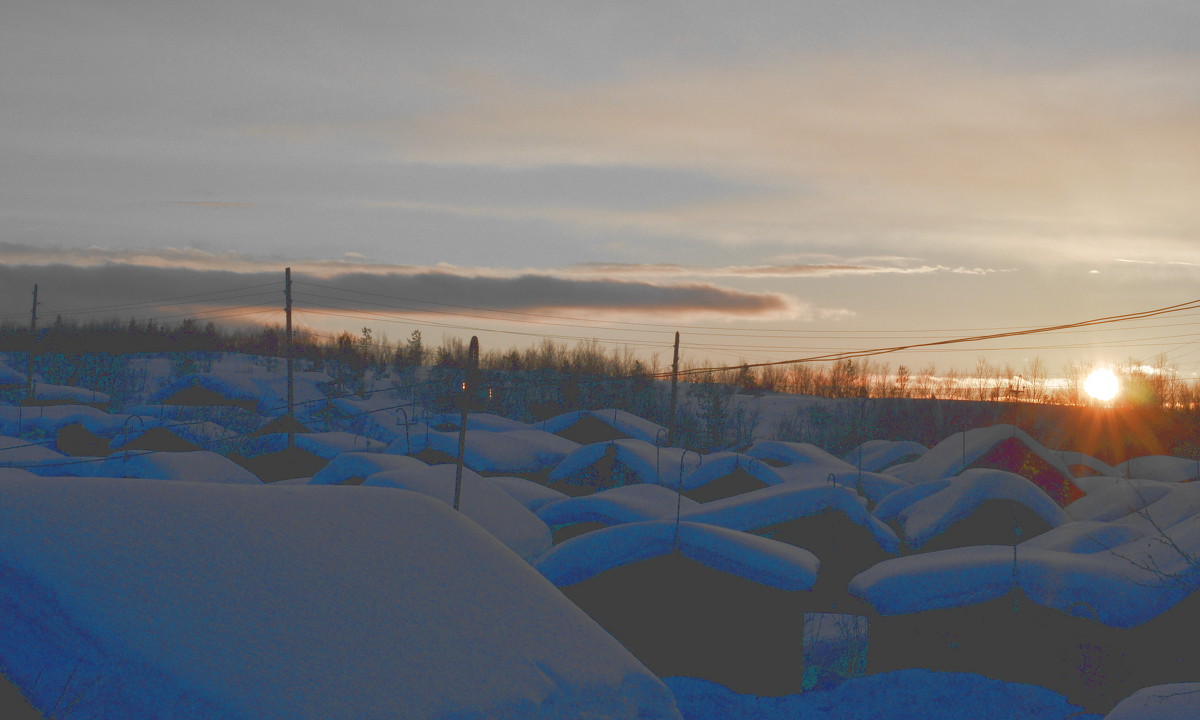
x=181 y=554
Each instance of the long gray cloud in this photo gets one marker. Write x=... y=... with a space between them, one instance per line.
x=127 y=289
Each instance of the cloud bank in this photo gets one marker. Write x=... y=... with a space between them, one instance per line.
x=122 y=282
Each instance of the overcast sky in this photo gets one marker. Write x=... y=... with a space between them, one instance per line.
x=817 y=174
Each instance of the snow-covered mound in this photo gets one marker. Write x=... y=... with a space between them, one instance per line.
x=877 y=455
x=18 y=452
x=361 y=464
x=999 y=447
x=506 y=451
x=16 y=420
x=330 y=444
x=186 y=600
x=484 y=422
x=1122 y=586
x=527 y=492
x=8 y=376
x=628 y=503
x=794 y=453
x=68 y=393
x=955 y=499
x=481 y=501
x=195 y=466
x=913 y=694
x=629 y=461
x=1110 y=498
x=1164 y=468
x=720 y=464
x=1081 y=462
x=781 y=503
x=1176 y=701
x=870 y=486
x=754 y=558
x=623 y=422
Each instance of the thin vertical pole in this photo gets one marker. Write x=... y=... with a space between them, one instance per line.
x=467 y=397
x=32 y=340
x=287 y=311
x=674 y=393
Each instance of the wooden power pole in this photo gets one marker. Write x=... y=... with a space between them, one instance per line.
x=287 y=311
x=674 y=393
x=32 y=341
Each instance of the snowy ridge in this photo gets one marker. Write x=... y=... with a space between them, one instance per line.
x=754 y=558
x=772 y=505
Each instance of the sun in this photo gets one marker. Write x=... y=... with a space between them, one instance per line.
x=1102 y=384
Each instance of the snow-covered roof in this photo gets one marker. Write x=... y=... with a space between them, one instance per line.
x=748 y=556
x=780 y=503
x=628 y=503
x=481 y=501
x=187 y=601
x=1072 y=459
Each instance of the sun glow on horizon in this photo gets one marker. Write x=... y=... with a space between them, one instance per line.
x=1102 y=384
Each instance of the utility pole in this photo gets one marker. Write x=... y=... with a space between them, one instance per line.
x=32 y=340
x=465 y=404
x=287 y=311
x=674 y=393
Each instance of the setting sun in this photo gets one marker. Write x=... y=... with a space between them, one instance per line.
x=1102 y=384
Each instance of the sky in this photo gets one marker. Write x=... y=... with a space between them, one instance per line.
x=775 y=180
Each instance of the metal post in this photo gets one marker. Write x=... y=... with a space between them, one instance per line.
x=287 y=311
x=674 y=393
x=32 y=341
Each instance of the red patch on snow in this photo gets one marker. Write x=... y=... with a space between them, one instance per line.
x=1013 y=456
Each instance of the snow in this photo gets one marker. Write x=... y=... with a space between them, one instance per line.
x=771 y=505
x=898 y=695
x=792 y=453
x=218 y=601
x=930 y=516
x=1114 y=498
x=329 y=445
x=8 y=376
x=484 y=503
x=635 y=461
x=1175 y=701
x=47 y=391
x=1072 y=458
x=527 y=492
x=628 y=503
x=1163 y=468
x=748 y=556
x=348 y=465
x=195 y=466
x=18 y=452
x=720 y=464
x=627 y=423
x=876 y=455
x=512 y=451
x=1122 y=587
x=951 y=456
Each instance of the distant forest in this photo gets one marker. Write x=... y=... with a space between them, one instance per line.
x=862 y=378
